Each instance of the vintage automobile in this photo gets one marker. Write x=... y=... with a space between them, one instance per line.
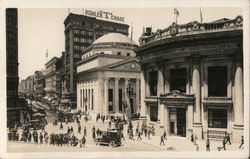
x=62 y=116
x=112 y=137
x=135 y=116
x=119 y=119
x=36 y=124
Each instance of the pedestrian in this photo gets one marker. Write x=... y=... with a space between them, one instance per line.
x=41 y=138
x=149 y=132
x=83 y=141
x=145 y=131
x=208 y=145
x=195 y=139
x=228 y=139
x=224 y=144
x=103 y=119
x=137 y=130
x=93 y=135
x=79 y=129
x=122 y=136
x=192 y=137
x=110 y=124
x=153 y=130
x=139 y=136
x=61 y=126
x=162 y=140
x=85 y=131
x=242 y=141
x=164 y=134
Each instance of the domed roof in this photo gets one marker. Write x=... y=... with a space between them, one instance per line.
x=114 y=38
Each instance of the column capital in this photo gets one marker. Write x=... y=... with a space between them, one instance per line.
x=126 y=79
x=106 y=78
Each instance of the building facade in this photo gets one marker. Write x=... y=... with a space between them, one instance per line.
x=13 y=109
x=80 y=31
x=192 y=78
x=108 y=76
x=50 y=77
x=39 y=83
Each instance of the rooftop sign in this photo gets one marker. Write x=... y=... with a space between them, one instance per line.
x=104 y=14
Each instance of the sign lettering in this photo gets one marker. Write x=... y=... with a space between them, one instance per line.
x=103 y=14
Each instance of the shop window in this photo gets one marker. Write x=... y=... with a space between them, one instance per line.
x=154 y=113
x=217 y=81
x=178 y=79
x=110 y=99
x=217 y=118
x=153 y=83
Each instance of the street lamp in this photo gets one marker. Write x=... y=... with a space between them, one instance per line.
x=130 y=93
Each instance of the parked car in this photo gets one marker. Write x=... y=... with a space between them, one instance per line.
x=111 y=137
x=135 y=116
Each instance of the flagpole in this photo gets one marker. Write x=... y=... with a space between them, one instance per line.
x=201 y=18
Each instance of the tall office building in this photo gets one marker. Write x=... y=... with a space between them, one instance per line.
x=13 y=109
x=80 y=31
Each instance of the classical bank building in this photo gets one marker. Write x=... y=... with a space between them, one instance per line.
x=192 y=78
x=107 y=75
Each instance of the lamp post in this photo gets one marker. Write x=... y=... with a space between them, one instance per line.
x=129 y=92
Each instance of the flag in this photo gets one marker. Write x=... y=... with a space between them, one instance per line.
x=201 y=15
x=176 y=12
x=47 y=54
x=131 y=31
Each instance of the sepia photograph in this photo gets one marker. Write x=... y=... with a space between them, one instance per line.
x=126 y=79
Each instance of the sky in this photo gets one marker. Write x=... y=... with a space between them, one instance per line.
x=43 y=29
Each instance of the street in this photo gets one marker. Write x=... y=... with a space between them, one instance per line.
x=173 y=143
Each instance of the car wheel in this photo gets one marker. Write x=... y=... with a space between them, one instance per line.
x=112 y=144
x=118 y=143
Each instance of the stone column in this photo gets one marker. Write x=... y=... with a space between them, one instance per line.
x=137 y=93
x=189 y=119
x=196 y=90
x=125 y=87
x=160 y=90
x=238 y=95
x=166 y=112
x=143 y=93
x=105 y=108
x=167 y=80
x=116 y=103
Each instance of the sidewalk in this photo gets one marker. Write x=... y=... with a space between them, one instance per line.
x=176 y=143
x=173 y=143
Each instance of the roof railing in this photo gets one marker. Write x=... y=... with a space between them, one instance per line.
x=192 y=28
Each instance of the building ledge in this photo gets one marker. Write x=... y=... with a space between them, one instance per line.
x=217 y=102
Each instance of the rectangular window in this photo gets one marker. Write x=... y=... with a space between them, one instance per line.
x=92 y=94
x=217 y=81
x=76 y=31
x=83 y=32
x=153 y=83
x=178 y=79
x=110 y=99
x=83 y=40
x=217 y=118
x=128 y=54
x=120 y=99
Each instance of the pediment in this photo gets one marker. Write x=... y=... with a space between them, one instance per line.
x=125 y=65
